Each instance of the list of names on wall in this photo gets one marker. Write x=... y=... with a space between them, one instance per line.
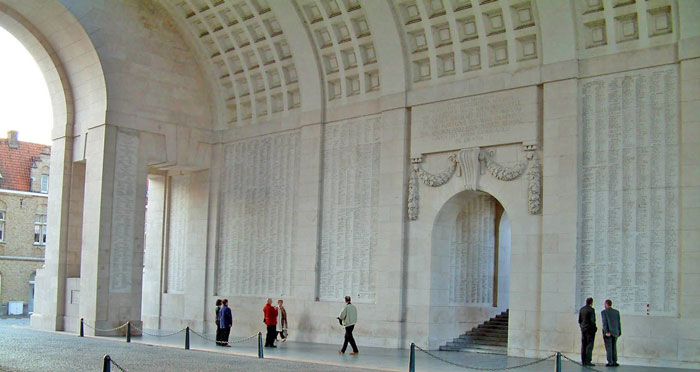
x=257 y=229
x=177 y=233
x=350 y=200
x=472 y=253
x=629 y=207
x=122 y=250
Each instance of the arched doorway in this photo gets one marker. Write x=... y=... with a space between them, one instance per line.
x=471 y=242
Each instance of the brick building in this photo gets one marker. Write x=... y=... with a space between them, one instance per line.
x=24 y=185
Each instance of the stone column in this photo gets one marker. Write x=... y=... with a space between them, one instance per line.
x=113 y=222
x=49 y=305
x=153 y=252
x=559 y=327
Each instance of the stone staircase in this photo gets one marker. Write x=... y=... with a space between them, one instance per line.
x=489 y=337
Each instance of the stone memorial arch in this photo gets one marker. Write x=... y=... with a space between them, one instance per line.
x=312 y=149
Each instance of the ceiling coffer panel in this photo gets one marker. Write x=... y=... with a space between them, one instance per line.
x=249 y=55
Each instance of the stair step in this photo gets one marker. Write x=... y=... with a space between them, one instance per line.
x=490 y=336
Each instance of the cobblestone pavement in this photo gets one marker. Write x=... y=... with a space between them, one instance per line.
x=24 y=349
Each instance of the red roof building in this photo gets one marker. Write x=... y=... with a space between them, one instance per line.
x=20 y=161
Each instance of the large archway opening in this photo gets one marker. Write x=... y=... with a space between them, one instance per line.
x=471 y=248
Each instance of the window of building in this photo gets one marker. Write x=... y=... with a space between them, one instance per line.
x=45 y=183
x=3 y=214
x=40 y=229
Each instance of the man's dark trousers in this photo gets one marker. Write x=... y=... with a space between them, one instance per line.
x=271 y=335
x=587 y=339
x=224 y=335
x=610 y=349
x=349 y=339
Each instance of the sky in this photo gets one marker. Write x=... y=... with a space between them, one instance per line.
x=25 y=105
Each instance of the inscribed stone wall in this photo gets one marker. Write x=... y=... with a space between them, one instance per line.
x=257 y=215
x=629 y=182
x=177 y=233
x=350 y=199
x=472 y=253
x=121 y=253
x=483 y=120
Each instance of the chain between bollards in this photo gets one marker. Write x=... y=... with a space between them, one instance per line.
x=260 y=346
x=128 y=331
x=106 y=365
x=557 y=363
x=187 y=338
x=82 y=329
x=412 y=359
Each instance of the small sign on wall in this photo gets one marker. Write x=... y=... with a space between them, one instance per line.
x=75 y=297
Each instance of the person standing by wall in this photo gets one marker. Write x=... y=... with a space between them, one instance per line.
x=271 y=323
x=218 y=328
x=282 y=320
x=348 y=318
x=586 y=320
x=612 y=329
x=225 y=323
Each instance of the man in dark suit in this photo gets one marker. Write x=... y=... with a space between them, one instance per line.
x=611 y=331
x=586 y=320
x=225 y=323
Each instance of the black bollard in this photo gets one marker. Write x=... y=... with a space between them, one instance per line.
x=557 y=363
x=106 y=363
x=128 y=331
x=260 y=345
x=187 y=338
x=82 y=331
x=412 y=359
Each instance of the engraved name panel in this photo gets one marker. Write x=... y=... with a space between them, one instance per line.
x=629 y=212
x=349 y=213
x=257 y=228
x=177 y=233
x=484 y=120
x=122 y=251
x=472 y=253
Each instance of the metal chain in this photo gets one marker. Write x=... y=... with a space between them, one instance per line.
x=484 y=369
x=117 y=365
x=157 y=335
x=223 y=342
x=577 y=363
x=106 y=330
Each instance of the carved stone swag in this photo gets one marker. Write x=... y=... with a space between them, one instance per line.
x=470 y=161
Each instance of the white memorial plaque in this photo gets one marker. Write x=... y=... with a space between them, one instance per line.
x=484 y=120
x=349 y=214
x=472 y=253
x=124 y=202
x=628 y=243
x=257 y=231
x=177 y=233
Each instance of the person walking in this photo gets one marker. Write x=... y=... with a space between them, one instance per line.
x=586 y=321
x=225 y=323
x=271 y=323
x=348 y=318
x=612 y=329
x=281 y=320
x=218 y=329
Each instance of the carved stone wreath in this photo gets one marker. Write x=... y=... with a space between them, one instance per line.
x=433 y=180
x=497 y=170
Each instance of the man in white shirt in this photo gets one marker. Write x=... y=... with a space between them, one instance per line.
x=348 y=318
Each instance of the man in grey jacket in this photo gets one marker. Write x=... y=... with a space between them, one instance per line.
x=611 y=331
x=348 y=318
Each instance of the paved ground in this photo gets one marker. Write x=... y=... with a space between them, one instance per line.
x=25 y=349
